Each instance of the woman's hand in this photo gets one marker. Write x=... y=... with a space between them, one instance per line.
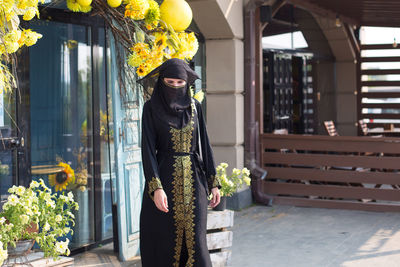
x=160 y=199
x=216 y=197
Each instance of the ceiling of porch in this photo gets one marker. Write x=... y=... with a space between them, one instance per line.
x=357 y=12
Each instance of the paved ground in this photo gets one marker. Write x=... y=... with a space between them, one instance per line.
x=290 y=236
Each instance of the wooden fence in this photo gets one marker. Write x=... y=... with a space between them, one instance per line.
x=332 y=172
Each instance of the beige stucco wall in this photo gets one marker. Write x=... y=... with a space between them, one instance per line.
x=221 y=23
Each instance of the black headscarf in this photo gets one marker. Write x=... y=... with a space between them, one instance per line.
x=171 y=104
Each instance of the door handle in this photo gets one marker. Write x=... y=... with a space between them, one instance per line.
x=15 y=142
x=121 y=134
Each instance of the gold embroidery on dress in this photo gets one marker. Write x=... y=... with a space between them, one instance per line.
x=154 y=184
x=182 y=138
x=183 y=192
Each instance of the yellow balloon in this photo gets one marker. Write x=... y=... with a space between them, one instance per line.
x=114 y=3
x=176 y=13
x=84 y=2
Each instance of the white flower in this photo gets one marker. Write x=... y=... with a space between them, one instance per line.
x=246 y=171
x=3 y=254
x=70 y=214
x=62 y=247
x=70 y=196
x=46 y=227
x=51 y=203
x=236 y=171
x=34 y=184
x=247 y=180
x=12 y=189
x=36 y=210
x=13 y=200
x=20 y=190
x=24 y=219
x=2 y=220
x=29 y=212
x=58 y=218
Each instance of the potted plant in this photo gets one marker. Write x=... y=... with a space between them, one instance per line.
x=230 y=183
x=35 y=214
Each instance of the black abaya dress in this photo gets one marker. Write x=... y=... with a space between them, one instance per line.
x=171 y=161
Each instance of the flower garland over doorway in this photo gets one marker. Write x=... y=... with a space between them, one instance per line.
x=149 y=33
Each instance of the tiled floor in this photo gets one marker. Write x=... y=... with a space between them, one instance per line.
x=104 y=257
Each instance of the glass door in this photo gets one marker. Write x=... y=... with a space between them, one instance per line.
x=9 y=144
x=61 y=117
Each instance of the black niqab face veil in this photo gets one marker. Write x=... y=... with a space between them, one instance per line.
x=170 y=103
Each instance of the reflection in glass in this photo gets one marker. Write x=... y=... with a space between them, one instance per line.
x=61 y=115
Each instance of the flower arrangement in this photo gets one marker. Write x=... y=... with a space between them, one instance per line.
x=36 y=207
x=149 y=33
x=230 y=183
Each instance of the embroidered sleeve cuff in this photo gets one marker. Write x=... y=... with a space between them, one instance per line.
x=154 y=184
x=213 y=181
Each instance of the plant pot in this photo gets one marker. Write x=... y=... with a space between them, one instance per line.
x=222 y=205
x=22 y=247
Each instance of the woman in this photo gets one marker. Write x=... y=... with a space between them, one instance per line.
x=179 y=169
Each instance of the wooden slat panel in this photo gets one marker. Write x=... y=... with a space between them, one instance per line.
x=378 y=46
x=331 y=160
x=219 y=240
x=380 y=72
x=331 y=191
x=377 y=124
x=381 y=105
x=328 y=143
x=334 y=175
x=221 y=259
x=380 y=59
x=219 y=219
x=389 y=116
x=380 y=83
x=336 y=204
x=381 y=95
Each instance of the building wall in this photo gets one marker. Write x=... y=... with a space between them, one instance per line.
x=221 y=23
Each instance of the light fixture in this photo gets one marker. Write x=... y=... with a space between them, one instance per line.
x=394 y=42
x=338 y=23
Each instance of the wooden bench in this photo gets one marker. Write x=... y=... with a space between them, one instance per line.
x=219 y=239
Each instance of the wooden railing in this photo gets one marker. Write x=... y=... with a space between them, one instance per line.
x=332 y=172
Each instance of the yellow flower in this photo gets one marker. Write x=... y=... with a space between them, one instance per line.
x=6 y=5
x=142 y=70
x=29 y=14
x=86 y=9
x=73 y=5
x=62 y=179
x=192 y=45
x=29 y=37
x=153 y=13
x=134 y=60
x=161 y=41
x=140 y=48
x=136 y=9
x=199 y=96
